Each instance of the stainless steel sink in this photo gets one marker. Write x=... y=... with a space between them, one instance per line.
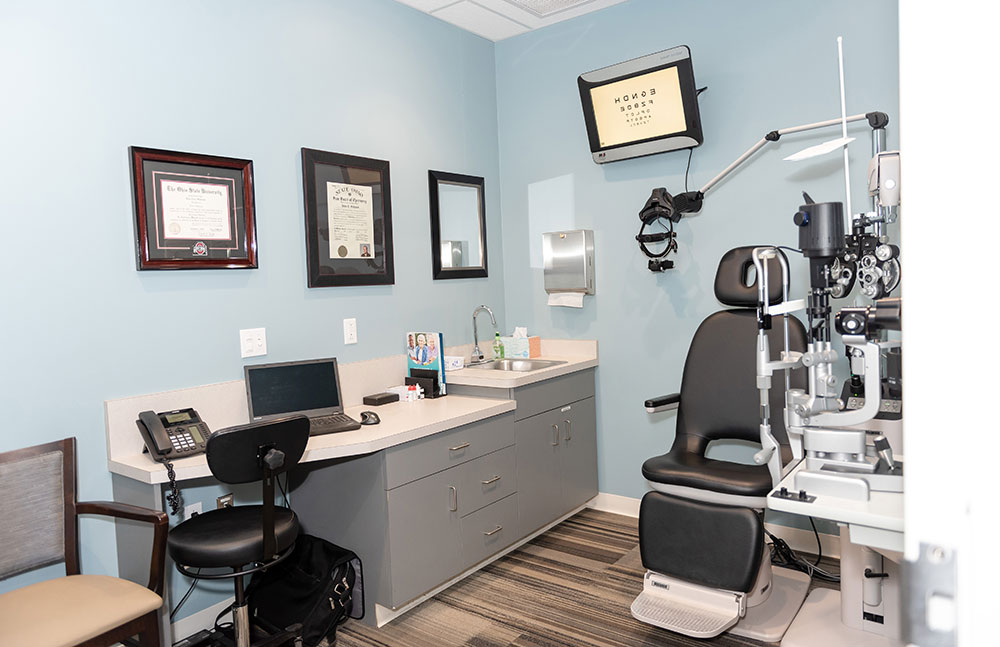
x=519 y=365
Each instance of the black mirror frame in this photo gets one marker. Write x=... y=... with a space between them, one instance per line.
x=433 y=178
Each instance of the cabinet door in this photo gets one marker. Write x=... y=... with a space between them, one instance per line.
x=425 y=535
x=578 y=454
x=540 y=498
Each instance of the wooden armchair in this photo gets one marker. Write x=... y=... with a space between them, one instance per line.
x=38 y=527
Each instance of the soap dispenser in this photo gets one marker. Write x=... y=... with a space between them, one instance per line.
x=497 y=347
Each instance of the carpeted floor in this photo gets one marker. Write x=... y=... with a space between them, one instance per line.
x=570 y=587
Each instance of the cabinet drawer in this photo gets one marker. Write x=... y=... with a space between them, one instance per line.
x=558 y=391
x=486 y=479
x=413 y=460
x=489 y=530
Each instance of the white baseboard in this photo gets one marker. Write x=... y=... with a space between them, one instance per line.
x=617 y=504
x=797 y=539
x=204 y=619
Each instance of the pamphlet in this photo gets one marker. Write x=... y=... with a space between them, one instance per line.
x=425 y=350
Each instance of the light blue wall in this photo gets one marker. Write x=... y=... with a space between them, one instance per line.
x=254 y=79
x=767 y=65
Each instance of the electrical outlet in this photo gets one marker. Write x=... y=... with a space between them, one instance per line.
x=224 y=501
x=253 y=342
x=192 y=510
x=350 y=331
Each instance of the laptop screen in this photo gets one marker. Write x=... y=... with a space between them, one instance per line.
x=293 y=387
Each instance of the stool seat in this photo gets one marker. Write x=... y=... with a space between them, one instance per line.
x=229 y=537
x=681 y=467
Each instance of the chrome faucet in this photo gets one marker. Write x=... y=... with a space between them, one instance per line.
x=477 y=355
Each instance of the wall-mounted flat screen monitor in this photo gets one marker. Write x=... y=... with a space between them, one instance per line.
x=641 y=107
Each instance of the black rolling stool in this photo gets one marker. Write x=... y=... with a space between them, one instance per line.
x=247 y=538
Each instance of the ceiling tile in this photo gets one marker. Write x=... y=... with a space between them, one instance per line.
x=479 y=20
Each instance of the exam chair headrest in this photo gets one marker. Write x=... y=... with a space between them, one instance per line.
x=735 y=268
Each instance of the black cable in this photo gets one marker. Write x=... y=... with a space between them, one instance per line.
x=688 y=169
x=220 y=626
x=174 y=495
x=819 y=544
x=194 y=582
x=782 y=555
x=281 y=487
x=791 y=249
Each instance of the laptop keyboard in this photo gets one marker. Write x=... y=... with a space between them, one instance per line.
x=332 y=424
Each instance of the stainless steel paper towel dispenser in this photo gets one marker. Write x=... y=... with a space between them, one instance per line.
x=568 y=260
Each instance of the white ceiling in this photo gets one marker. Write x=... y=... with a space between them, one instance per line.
x=499 y=19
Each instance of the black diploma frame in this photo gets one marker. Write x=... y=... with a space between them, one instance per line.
x=192 y=211
x=348 y=211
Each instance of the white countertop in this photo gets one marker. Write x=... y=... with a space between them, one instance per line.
x=224 y=404
x=575 y=355
x=401 y=422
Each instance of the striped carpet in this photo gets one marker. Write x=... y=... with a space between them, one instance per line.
x=570 y=587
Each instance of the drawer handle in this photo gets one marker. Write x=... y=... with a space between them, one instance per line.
x=569 y=430
x=458 y=447
x=454 y=498
x=555 y=435
x=494 y=531
x=492 y=480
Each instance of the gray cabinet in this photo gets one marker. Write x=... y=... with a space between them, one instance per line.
x=556 y=463
x=555 y=433
x=421 y=513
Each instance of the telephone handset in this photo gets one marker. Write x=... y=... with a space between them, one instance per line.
x=172 y=434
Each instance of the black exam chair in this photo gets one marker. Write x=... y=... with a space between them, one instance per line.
x=701 y=532
x=246 y=538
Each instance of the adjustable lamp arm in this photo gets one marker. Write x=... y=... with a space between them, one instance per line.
x=690 y=202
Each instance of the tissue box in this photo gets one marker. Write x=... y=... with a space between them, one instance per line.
x=454 y=362
x=534 y=346
x=516 y=348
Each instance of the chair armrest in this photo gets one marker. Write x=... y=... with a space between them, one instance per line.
x=136 y=513
x=663 y=403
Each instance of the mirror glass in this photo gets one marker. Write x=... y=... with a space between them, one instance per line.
x=458 y=225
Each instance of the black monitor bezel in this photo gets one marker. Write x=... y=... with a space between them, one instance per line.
x=310 y=413
x=689 y=99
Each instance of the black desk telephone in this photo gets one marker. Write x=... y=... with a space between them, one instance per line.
x=172 y=434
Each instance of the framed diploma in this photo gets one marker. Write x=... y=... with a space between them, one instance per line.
x=348 y=219
x=192 y=211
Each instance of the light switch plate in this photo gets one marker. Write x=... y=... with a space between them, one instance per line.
x=253 y=342
x=350 y=331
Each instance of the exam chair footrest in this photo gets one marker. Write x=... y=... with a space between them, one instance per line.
x=715 y=546
x=687 y=608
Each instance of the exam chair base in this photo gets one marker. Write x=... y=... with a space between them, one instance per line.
x=818 y=625
x=702 y=612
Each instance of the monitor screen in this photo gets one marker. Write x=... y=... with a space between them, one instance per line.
x=640 y=107
x=297 y=387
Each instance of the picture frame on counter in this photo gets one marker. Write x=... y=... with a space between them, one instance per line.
x=348 y=211
x=192 y=211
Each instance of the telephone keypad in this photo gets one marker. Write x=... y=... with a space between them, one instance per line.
x=182 y=441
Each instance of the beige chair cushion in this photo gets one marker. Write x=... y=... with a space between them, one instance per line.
x=68 y=610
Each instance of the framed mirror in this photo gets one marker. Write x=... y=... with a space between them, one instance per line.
x=458 y=225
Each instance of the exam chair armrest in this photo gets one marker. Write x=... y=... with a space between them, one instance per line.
x=663 y=403
x=136 y=513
